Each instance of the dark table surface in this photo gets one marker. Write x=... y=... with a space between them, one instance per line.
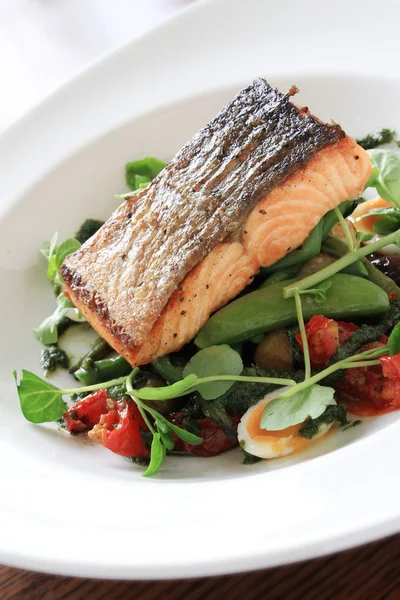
x=370 y=572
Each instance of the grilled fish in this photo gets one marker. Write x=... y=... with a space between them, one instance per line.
x=243 y=192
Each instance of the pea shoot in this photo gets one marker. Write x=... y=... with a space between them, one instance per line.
x=346 y=230
x=300 y=319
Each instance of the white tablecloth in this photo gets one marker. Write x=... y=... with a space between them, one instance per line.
x=45 y=42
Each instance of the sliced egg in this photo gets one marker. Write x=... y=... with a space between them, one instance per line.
x=365 y=223
x=272 y=444
x=75 y=315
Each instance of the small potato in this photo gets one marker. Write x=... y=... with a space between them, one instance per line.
x=274 y=352
x=315 y=264
x=337 y=231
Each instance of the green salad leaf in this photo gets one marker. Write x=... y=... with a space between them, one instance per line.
x=373 y=177
x=285 y=412
x=140 y=173
x=387 y=181
x=40 y=401
x=47 y=332
x=49 y=251
x=157 y=456
x=66 y=248
x=394 y=341
x=214 y=361
x=57 y=254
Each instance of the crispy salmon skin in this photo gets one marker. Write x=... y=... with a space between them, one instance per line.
x=243 y=192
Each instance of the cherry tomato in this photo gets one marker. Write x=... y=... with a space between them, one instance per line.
x=115 y=425
x=373 y=390
x=120 y=430
x=391 y=366
x=215 y=441
x=86 y=413
x=324 y=336
x=345 y=330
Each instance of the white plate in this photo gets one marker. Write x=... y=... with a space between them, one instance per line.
x=72 y=508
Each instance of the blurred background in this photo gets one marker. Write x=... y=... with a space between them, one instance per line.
x=45 y=42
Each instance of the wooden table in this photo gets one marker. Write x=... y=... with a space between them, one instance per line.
x=371 y=572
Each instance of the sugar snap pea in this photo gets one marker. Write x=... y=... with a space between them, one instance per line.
x=349 y=297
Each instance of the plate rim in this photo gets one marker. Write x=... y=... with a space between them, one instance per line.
x=301 y=551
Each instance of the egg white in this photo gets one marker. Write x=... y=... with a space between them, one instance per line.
x=274 y=446
x=357 y=219
x=75 y=315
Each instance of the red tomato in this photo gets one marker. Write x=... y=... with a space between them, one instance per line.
x=86 y=413
x=115 y=425
x=391 y=366
x=324 y=336
x=345 y=330
x=215 y=441
x=374 y=390
x=121 y=430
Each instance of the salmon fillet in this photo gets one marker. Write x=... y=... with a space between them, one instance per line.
x=245 y=191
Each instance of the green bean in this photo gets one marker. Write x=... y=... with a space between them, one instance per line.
x=265 y=310
x=92 y=372
x=170 y=372
x=99 y=350
x=337 y=248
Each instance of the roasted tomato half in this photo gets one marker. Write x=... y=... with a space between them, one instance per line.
x=86 y=413
x=120 y=430
x=324 y=336
x=215 y=440
x=115 y=425
x=372 y=390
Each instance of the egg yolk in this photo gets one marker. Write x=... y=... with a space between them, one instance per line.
x=278 y=440
x=361 y=221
